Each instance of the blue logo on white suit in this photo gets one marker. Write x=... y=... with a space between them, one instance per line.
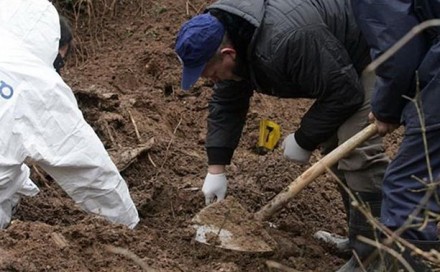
x=6 y=91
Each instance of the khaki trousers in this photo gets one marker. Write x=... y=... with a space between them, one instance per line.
x=364 y=168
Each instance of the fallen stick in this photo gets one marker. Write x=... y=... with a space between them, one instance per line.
x=125 y=158
x=135 y=127
x=278 y=266
x=126 y=253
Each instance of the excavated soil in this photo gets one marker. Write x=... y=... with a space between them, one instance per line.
x=125 y=76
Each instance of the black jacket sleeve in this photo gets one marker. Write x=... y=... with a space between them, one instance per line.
x=322 y=67
x=227 y=114
x=383 y=23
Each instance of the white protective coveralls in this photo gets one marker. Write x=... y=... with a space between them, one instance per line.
x=40 y=120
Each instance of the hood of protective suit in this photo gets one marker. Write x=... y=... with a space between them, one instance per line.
x=30 y=25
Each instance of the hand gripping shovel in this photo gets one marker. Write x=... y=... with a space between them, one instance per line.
x=227 y=224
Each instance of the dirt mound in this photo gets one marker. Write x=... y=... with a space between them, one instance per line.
x=126 y=78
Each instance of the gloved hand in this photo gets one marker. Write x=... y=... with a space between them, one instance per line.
x=293 y=152
x=215 y=186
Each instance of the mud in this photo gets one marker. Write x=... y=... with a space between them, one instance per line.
x=125 y=76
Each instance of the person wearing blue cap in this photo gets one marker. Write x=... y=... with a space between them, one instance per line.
x=288 y=49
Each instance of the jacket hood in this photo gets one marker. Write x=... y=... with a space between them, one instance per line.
x=252 y=11
x=32 y=25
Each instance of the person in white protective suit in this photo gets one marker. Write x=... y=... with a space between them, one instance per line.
x=40 y=120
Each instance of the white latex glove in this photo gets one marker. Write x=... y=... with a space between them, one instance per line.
x=293 y=152
x=215 y=186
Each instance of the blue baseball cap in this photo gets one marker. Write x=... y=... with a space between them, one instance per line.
x=196 y=43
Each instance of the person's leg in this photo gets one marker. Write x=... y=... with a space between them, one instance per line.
x=359 y=226
x=409 y=190
x=365 y=166
x=404 y=188
x=411 y=200
x=14 y=182
x=340 y=243
x=326 y=148
x=363 y=170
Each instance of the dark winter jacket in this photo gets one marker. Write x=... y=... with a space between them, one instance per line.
x=384 y=22
x=300 y=49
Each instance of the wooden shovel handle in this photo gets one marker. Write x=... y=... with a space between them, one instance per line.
x=280 y=200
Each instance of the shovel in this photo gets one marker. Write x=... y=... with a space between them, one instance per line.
x=226 y=224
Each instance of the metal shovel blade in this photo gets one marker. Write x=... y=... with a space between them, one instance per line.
x=226 y=224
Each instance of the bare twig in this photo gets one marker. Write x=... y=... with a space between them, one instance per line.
x=151 y=160
x=59 y=240
x=113 y=9
x=135 y=127
x=203 y=5
x=189 y=4
x=359 y=261
x=124 y=158
x=168 y=147
x=432 y=256
x=278 y=266
x=128 y=254
x=418 y=103
x=389 y=250
x=41 y=177
x=107 y=127
x=227 y=215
